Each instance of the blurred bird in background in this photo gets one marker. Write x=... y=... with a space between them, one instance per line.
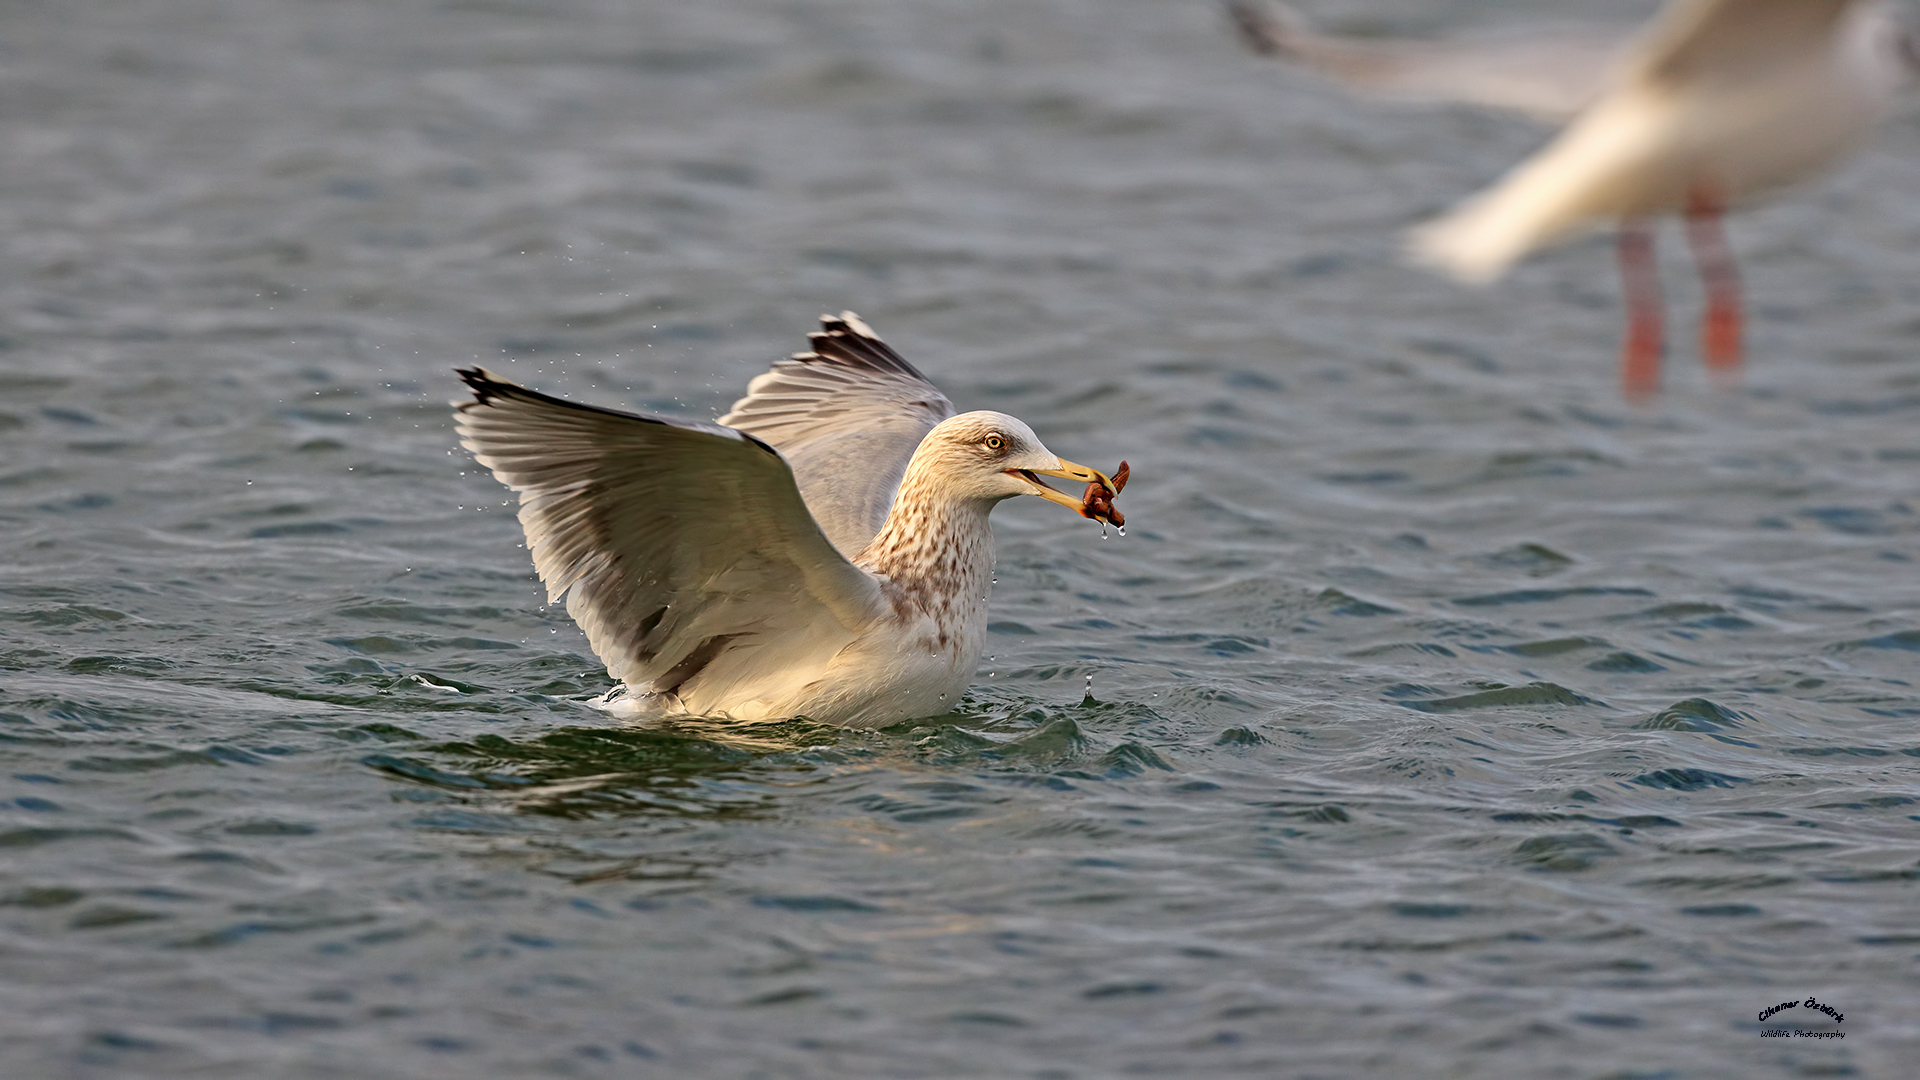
x=1712 y=103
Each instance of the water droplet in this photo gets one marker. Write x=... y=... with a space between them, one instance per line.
x=1122 y=530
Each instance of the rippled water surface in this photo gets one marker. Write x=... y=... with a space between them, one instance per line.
x=1447 y=717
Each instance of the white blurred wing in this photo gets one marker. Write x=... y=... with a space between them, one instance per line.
x=1694 y=41
x=847 y=416
x=1549 y=75
x=683 y=549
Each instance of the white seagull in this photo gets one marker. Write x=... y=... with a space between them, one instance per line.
x=1713 y=103
x=820 y=551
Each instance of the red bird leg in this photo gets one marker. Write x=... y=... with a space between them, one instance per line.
x=1640 y=282
x=1720 y=329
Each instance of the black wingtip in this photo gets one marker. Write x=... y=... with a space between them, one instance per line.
x=486 y=386
x=847 y=339
x=851 y=323
x=1261 y=30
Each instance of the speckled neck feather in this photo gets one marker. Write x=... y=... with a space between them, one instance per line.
x=936 y=549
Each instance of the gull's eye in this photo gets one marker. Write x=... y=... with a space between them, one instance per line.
x=995 y=442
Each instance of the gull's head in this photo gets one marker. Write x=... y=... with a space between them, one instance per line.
x=993 y=456
x=1877 y=44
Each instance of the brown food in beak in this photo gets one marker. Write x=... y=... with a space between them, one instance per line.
x=1097 y=503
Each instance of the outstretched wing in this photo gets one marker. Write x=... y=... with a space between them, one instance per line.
x=1546 y=74
x=847 y=416
x=683 y=549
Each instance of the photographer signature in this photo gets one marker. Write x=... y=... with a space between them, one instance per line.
x=1809 y=1003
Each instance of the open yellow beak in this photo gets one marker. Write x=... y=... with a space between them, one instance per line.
x=1068 y=471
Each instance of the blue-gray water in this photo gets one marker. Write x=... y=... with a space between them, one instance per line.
x=1449 y=718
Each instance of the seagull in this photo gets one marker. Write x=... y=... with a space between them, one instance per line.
x=1713 y=103
x=820 y=551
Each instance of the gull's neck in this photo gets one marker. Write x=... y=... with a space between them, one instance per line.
x=935 y=549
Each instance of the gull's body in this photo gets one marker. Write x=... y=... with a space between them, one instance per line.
x=1713 y=103
x=821 y=551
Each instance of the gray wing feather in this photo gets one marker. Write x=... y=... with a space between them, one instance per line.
x=1549 y=75
x=683 y=549
x=847 y=416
